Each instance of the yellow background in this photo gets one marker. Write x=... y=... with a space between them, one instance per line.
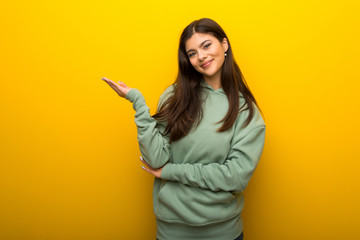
x=70 y=165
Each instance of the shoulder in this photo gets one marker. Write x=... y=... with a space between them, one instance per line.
x=256 y=121
x=169 y=91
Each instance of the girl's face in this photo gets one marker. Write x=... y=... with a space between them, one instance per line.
x=206 y=53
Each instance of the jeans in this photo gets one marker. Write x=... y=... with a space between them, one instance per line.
x=241 y=237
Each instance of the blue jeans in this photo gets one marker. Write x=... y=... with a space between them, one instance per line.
x=241 y=237
x=238 y=238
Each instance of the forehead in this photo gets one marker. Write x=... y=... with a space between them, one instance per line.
x=196 y=39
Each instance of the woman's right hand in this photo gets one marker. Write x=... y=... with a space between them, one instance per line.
x=121 y=89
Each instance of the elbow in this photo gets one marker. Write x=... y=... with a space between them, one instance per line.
x=155 y=160
x=153 y=153
x=237 y=188
x=158 y=164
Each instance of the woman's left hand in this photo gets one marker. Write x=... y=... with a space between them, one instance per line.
x=154 y=171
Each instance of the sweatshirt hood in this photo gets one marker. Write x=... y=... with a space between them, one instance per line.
x=209 y=88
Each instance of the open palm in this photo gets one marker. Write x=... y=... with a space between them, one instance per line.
x=121 y=89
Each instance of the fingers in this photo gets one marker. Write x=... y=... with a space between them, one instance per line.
x=143 y=161
x=122 y=84
x=113 y=83
x=156 y=172
x=110 y=82
x=113 y=86
x=148 y=169
x=120 y=90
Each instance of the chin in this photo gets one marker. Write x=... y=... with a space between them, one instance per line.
x=209 y=74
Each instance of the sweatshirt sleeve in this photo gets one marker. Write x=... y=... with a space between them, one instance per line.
x=234 y=174
x=154 y=147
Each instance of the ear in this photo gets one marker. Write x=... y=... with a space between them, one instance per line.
x=225 y=44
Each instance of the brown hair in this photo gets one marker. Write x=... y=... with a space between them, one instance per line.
x=183 y=108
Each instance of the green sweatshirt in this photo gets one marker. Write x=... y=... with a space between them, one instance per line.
x=200 y=192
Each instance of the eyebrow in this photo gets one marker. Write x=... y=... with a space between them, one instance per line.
x=199 y=45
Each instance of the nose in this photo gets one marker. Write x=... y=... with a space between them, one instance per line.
x=201 y=55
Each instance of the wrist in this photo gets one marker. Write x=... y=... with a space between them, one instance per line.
x=164 y=172
x=130 y=95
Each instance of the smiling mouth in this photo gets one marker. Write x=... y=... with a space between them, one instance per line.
x=206 y=64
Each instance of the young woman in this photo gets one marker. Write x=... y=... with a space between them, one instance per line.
x=204 y=142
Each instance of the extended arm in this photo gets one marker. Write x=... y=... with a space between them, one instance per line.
x=154 y=146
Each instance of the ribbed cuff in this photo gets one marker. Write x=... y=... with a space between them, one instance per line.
x=131 y=95
x=136 y=97
x=166 y=172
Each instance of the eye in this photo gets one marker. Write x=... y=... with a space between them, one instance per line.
x=207 y=45
x=191 y=54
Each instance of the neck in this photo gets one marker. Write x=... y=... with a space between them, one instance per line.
x=214 y=81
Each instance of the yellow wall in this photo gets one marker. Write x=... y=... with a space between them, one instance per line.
x=69 y=159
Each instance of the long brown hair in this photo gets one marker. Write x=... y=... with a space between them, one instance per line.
x=183 y=108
